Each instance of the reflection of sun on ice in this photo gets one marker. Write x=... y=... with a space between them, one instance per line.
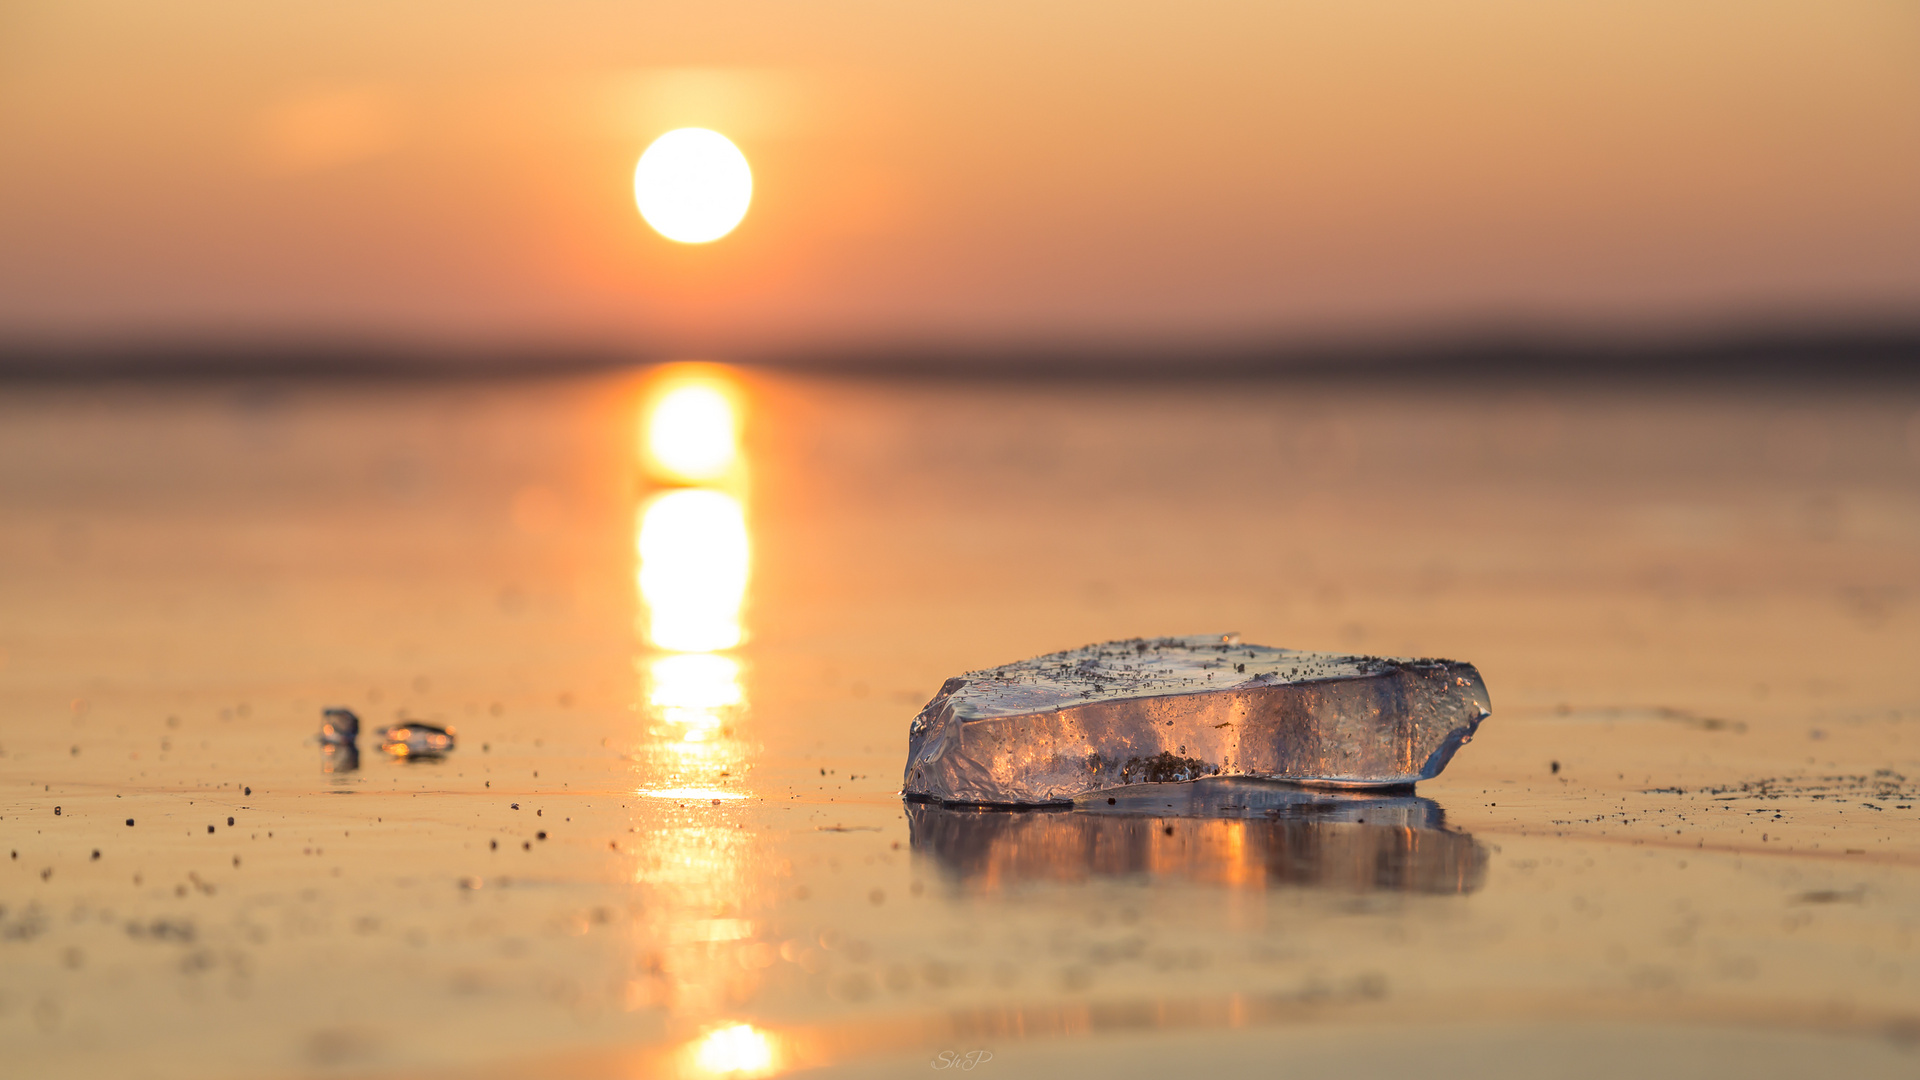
x=690 y=689
x=691 y=435
x=693 y=569
x=694 y=549
x=694 y=562
x=693 y=793
x=736 y=1050
x=693 y=185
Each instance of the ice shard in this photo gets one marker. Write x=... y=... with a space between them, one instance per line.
x=1165 y=710
x=339 y=727
x=339 y=741
x=414 y=739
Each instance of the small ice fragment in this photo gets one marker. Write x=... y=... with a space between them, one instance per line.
x=339 y=741
x=339 y=727
x=1177 y=709
x=413 y=739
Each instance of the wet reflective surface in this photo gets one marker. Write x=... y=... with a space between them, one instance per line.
x=680 y=657
x=1233 y=834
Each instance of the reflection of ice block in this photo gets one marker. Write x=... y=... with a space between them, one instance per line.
x=339 y=758
x=1229 y=832
x=1173 y=709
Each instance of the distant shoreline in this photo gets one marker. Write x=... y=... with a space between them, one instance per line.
x=1852 y=355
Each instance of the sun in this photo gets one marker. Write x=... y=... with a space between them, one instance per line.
x=693 y=185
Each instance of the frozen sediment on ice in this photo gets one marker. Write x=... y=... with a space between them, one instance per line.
x=1164 y=710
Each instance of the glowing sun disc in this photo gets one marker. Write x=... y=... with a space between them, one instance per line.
x=693 y=185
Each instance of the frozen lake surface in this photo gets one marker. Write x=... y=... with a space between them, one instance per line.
x=1685 y=844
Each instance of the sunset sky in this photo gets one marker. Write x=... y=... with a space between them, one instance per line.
x=954 y=173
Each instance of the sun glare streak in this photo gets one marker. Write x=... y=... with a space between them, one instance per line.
x=735 y=1050
x=693 y=692
x=694 y=556
x=704 y=681
x=692 y=436
x=693 y=569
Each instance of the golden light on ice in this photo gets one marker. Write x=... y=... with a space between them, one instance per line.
x=693 y=185
x=692 y=436
x=694 y=691
x=693 y=569
x=694 y=793
x=734 y=1050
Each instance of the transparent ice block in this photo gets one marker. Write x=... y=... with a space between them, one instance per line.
x=1160 y=710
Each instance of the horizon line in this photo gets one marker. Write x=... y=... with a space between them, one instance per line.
x=1848 y=352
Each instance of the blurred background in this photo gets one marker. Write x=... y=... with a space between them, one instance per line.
x=1070 y=183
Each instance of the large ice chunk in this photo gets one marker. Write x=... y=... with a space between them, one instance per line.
x=1172 y=709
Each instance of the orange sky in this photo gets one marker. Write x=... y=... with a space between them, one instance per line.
x=949 y=172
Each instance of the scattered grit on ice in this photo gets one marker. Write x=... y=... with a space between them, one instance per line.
x=1168 y=710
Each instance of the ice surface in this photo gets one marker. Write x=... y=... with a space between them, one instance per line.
x=1176 y=709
